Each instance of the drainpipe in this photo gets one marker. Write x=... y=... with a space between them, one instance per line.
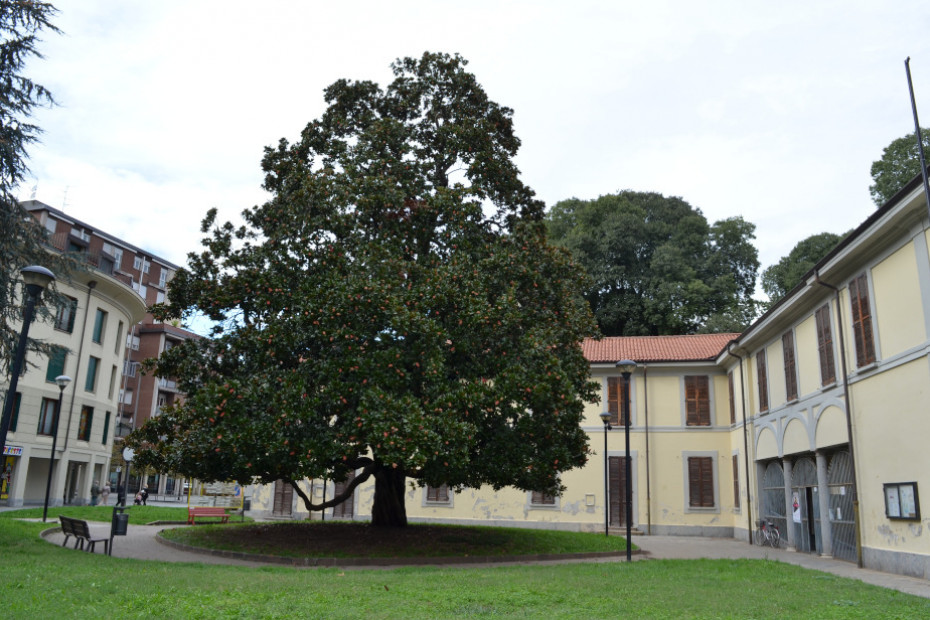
x=648 y=493
x=849 y=424
x=77 y=370
x=742 y=387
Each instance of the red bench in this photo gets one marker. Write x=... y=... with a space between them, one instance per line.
x=206 y=511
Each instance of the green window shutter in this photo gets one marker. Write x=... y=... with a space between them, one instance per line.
x=90 y=383
x=106 y=427
x=56 y=363
x=99 y=322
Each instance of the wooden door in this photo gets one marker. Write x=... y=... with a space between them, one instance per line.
x=345 y=510
x=617 y=483
x=283 y=499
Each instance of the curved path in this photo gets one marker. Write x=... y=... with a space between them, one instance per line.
x=141 y=543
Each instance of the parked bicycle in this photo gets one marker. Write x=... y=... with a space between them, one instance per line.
x=767 y=533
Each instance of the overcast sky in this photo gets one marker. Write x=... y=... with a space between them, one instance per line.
x=773 y=111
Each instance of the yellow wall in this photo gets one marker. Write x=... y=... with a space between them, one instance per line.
x=897 y=304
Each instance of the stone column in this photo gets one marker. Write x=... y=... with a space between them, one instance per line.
x=823 y=491
x=789 y=509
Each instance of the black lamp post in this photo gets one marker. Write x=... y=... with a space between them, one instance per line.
x=626 y=368
x=605 y=418
x=62 y=381
x=35 y=279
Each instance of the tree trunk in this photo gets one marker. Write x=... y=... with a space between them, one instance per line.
x=389 y=509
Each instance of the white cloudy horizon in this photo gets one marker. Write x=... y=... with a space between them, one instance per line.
x=770 y=112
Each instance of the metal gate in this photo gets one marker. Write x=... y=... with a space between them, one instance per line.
x=773 y=495
x=805 y=518
x=839 y=480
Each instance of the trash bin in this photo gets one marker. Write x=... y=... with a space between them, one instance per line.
x=119 y=524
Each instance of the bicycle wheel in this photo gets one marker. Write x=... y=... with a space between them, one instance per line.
x=759 y=537
x=776 y=537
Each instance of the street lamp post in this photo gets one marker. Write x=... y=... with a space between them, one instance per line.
x=62 y=381
x=626 y=368
x=35 y=279
x=605 y=418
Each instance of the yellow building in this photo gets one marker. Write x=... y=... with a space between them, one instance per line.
x=820 y=408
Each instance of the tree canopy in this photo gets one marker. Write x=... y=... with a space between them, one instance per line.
x=395 y=309
x=656 y=266
x=784 y=275
x=899 y=164
x=24 y=241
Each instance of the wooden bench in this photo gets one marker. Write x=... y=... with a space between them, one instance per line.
x=81 y=532
x=206 y=511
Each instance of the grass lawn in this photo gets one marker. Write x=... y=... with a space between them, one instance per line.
x=138 y=515
x=47 y=581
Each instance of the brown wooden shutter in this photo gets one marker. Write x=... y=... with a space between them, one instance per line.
x=791 y=373
x=825 y=346
x=701 y=481
x=762 y=381
x=437 y=494
x=736 y=481
x=862 y=320
x=697 y=401
x=613 y=399
x=542 y=499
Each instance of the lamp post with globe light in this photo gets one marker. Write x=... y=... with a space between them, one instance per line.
x=35 y=279
x=62 y=381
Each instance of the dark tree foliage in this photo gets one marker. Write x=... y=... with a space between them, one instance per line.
x=899 y=164
x=395 y=309
x=787 y=273
x=22 y=242
x=656 y=266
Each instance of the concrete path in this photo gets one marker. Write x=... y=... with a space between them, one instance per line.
x=141 y=544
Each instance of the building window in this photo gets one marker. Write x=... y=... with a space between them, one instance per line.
x=126 y=396
x=65 y=319
x=542 y=499
x=90 y=383
x=736 y=481
x=791 y=372
x=119 y=337
x=106 y=427
x=115 y=252
x=732 y=398
x=51 y=226
x=159 y=297
x=697 y=401
x=100 y=325
x=47 y=416
x=438 y=494
x=112 y=382
x=163 y=276
x=132 y=342
x=763 y=382
x=616 y=397
x=87 y=419
x=862 y=321
x=14 y=417
x=56 y=363
x=701 y=482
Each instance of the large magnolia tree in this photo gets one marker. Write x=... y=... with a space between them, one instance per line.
x=394 y=310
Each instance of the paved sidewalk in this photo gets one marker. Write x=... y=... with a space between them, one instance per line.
x=141 y=544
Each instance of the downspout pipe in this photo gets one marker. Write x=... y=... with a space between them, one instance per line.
x=742 y=386
x=648 y=492
x=849 y=424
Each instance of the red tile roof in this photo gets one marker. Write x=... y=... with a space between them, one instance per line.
x=693 y=348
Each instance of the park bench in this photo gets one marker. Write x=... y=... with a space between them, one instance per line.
x=81 y=532
x=206 y=511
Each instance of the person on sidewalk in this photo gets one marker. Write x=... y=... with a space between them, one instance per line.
x=144 y=494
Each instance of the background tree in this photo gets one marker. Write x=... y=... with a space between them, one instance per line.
x=787 y=273
x=395 y=309
x=22 y=242
x=899 y=164
x=656 y=265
